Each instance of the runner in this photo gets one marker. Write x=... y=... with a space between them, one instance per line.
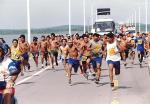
x=132 y=48
x=24 y=48
x=73 y=61
x=85 y=55
x=148 y=52
x=63 y=53
x=124 y=53
x=16 y=54
x=113 y=57
x=140 y=48
x=54 y=50
x=96 y=46
x=9 y=71
x=48 y=39
x=34 y=49
x=43 y=50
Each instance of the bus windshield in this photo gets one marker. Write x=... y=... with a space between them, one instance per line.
x=107 y=26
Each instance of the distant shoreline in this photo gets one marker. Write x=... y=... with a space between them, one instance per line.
x=56 y=29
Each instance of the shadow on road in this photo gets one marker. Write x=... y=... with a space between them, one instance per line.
x=104 y=69
x=57 y=70
x=25 y=83
x=105 y=76
x=80 y=83
x=103 y=84
x=124 y=87
x=129 y=67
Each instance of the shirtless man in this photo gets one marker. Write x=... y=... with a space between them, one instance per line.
x=43 y=50
x=148 y=52
x=132 y=48
x=24 y=48
x=34 y=49
x=73 y=60
x=124 y=53
x=54 y=50
x=63 y=53
x=48 y=39
x=85 y=54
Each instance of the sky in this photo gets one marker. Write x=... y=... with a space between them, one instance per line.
x=49 y=13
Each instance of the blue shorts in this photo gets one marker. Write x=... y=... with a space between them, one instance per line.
x=75 y=63
x=14 y=67
x=116 y=65
x=25 y=56
x=17 y=63
x=95 y=61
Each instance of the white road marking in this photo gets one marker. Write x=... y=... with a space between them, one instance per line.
x=35 y=74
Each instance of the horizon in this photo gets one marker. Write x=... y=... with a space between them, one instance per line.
x=142 y=24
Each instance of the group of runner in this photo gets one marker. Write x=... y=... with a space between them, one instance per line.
x=84 y=52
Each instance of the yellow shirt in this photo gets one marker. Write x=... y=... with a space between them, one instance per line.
x=16 y=53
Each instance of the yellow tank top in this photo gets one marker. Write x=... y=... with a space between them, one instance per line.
x=15 y=53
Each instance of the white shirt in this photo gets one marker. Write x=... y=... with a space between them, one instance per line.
x=4 y=69
x=111 y=52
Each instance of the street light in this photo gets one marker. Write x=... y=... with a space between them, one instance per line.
x=84 y=14
x=69 y=17
x=28 y=22
x=139 y=19
x=146 y=15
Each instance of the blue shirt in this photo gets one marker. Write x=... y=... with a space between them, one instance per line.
x=140 y=44
x=5 y=47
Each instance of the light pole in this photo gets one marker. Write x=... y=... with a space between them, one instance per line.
x=135 y=20
x=28 y=21
x=92 y=21
x=146 y=14
x=139 y=19
x=84 y=15
x=69 y=17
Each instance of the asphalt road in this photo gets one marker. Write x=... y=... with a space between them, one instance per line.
x=46 y=86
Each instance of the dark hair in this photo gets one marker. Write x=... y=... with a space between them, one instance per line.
x=64 y=39
x=42 y=36
x=77 y=34
x=35 y=38
x=48 y=36
x=144 y=34
x=15 y=40
x=84 y=35
x=95 y=34
x=110 y=35
x=53 y=34
x=22 y=36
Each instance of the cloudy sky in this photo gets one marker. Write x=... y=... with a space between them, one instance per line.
x=48 y=13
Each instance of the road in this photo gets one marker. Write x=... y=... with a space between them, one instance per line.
x=46 y=86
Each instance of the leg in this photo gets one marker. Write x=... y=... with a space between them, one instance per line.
x=46 y=58
x=98 y=73
x=42 y=59
x=69 y=73
x=7 y=96
x=110 y=65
